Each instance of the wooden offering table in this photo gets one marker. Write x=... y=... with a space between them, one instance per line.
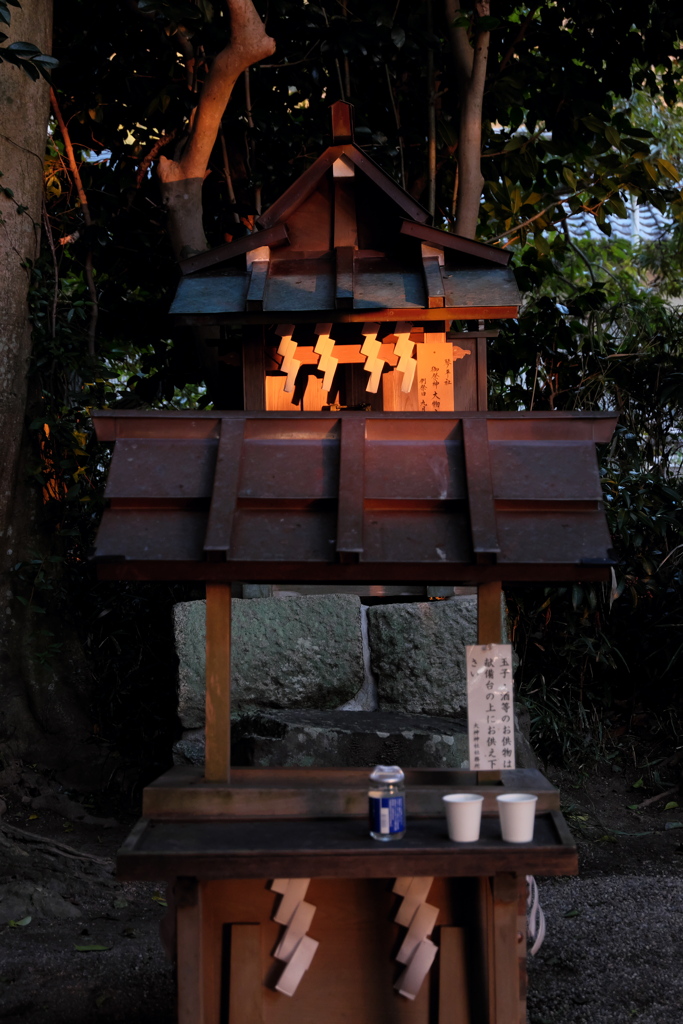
x=271 y=824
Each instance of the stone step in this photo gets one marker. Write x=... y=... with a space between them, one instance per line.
x=327 y=739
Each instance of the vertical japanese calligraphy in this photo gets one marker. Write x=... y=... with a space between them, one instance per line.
x=490 y=711
x=435 y=377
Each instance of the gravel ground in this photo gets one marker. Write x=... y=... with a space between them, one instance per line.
x=612 y=954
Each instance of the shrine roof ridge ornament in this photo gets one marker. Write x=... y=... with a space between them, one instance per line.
x=342 y=240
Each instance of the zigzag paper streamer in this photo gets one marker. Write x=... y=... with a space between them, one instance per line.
x=404 y=348
x=417 y=951
x=286 y=349
x=296 y=949
x=371 y=349
x=327 y=362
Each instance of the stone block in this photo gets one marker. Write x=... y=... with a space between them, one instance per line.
x=300 y=652
x=329 y=739
x=418 y=654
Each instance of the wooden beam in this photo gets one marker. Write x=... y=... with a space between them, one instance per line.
x=433 y=236
x=273 y=237
x=375 y=173
x=482 y=375
x=342 y=122
x=436 y=295
x=218 y=627
x=480 y=489
x=345 y=226
x=300 y=189
x=257 y=284
x=343 y=297
x=505 y=949
x=415 y=314
x=254 y=369
x=489 y=631
x=351 y=489
x=225 y=485
x=489 y=613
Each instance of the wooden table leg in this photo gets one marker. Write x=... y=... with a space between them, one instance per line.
x=506 y=950
x=190 y=953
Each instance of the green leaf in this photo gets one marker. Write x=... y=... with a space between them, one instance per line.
x=639 y=784
x=487 y=23
x=572 y=913
x=650 y=171
x=613 y=136
x=569 y=177
x=668 y=169
x=94 y=948
x=671 y=806
x=21 y=923
x=462 y=21
x=673 y=824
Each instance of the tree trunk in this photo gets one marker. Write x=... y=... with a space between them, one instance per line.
x=470 y=63
x=181 y=180
x=43 y=711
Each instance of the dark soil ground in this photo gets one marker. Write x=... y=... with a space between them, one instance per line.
x=78 y=947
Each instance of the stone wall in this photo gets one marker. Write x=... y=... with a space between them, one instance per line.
x=322 y=681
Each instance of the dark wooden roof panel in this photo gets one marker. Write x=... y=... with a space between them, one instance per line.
x=355 y=496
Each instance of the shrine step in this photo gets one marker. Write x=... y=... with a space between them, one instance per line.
x=325 y=739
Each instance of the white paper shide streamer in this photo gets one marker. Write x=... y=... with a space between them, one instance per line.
x=417 y=950
x=296 y=949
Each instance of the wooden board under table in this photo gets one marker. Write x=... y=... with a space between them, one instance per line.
x=337 y=848
x=227 y=973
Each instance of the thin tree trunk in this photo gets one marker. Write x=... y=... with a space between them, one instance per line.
x=470 y=62
x=182 y=179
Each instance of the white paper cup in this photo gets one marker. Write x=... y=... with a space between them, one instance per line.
x=517 y=813
x=463 y=815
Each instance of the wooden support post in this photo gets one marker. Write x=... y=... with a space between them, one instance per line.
x=191 y=1007
x=505 y=950
x=489 y=631
x=218 y=620
x=254 y=369
x=454 y=1001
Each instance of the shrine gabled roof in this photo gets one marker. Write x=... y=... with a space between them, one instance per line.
x=353 y=497
x=346 y=243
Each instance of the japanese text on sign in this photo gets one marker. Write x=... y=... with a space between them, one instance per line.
x=435 y=377
x=490 y=711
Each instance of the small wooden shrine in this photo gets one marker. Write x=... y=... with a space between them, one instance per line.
x=365 y=454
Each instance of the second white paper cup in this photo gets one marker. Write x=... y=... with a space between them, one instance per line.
x=463 y=815
x=517 y=815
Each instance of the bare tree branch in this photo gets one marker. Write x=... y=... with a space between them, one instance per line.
x=182 y=179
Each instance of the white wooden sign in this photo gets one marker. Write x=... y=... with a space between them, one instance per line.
x=490 y=711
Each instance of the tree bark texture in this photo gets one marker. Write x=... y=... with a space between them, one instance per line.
x=181 y=180
x=43 y=708
x=470 y=63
